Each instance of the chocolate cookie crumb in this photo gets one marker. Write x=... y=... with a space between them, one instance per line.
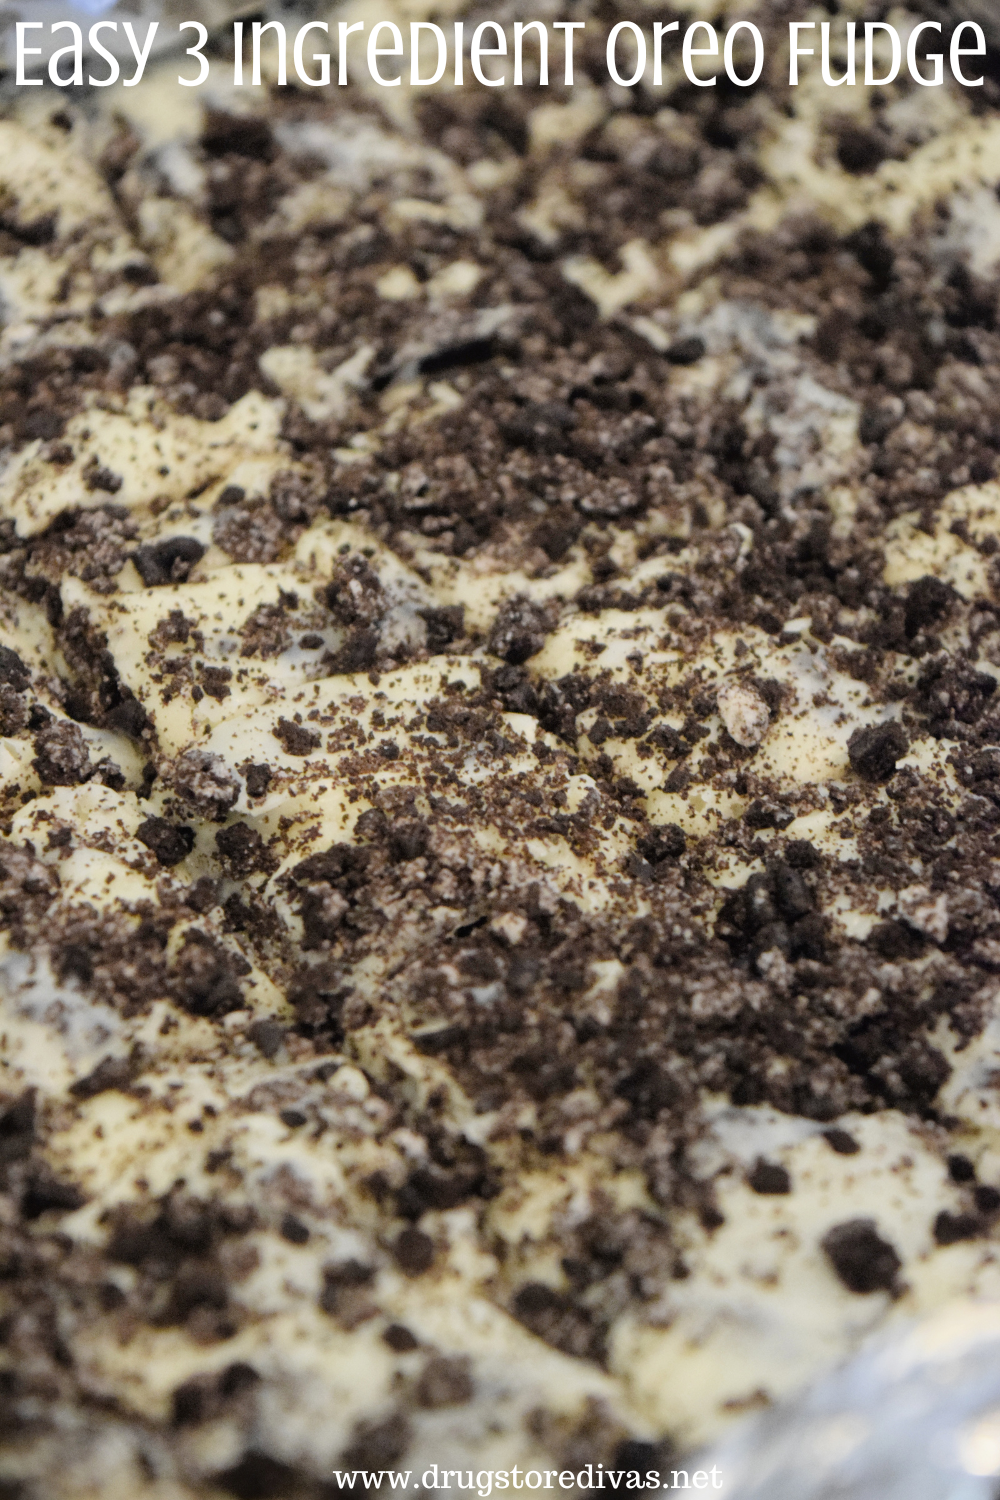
x=267 y=1035
x=949 y=1228
x=863 y=1260
x=242 y=850
x=293 y=1230
x=110 y=1073
x=258 y=779
x=520 y=630
x=926 y=601
x=769 y=1177
x=987 y=1199
x=12 y=670
x=875 y=749
x=169 y=561
x=170 y=842
x=841 y=1141
x=61 y=755
x=414 y=1251
x=399 y=1338
x=296 y=739
x=686 y=351
x=444 y=1382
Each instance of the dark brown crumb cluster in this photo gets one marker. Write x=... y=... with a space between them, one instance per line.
x=251 y=531
x=120 y=956
x=40 y=394
x=89 y=544
x=169 y=561
x=91 y=692
x=861 y=1258
x=181 y=1247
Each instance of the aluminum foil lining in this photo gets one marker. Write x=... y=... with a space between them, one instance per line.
x=914 y=1416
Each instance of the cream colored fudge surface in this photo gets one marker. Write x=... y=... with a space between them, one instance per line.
x=499 y=774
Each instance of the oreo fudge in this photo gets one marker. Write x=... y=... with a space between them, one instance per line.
x=500 y=764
